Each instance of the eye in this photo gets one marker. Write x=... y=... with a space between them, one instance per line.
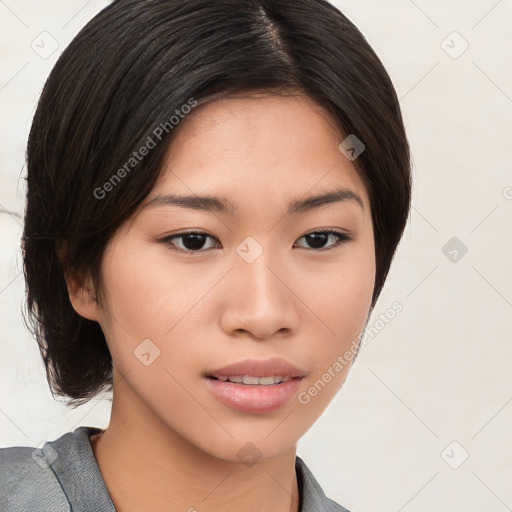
x=319 y=238
x=192 y=242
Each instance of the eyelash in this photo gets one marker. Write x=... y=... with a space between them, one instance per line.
x=341 y=236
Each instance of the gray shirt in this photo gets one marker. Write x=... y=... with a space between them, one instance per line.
x=63 y=476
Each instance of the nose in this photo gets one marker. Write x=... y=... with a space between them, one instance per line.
x=259 y=300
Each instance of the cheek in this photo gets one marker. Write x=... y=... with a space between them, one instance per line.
x=341 y=292
x=342 y=298
x=149 y=299
x=143 y=296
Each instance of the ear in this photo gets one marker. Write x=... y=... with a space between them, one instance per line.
x=82 y=294
x=83 y=297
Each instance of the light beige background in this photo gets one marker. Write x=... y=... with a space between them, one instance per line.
x=434 y=385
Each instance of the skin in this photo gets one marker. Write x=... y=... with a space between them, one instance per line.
x=170 y=444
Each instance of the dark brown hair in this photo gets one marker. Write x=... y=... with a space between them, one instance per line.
x=129 y=70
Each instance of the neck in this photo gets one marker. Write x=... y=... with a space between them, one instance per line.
x=147 y=466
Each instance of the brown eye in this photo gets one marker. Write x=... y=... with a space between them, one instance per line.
x=318 y=239
x=191 y=241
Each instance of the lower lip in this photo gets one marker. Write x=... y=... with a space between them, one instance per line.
x=255 y=399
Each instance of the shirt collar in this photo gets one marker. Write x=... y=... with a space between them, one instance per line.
x=313 y=498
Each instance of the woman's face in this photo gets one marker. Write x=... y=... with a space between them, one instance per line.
x=259 y=286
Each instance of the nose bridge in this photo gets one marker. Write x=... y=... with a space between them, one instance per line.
x=260 y=301
x=258 y=279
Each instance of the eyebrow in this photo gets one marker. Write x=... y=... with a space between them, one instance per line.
x=224 y=206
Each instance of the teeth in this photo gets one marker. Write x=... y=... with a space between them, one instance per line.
x=266 y=380
x=253 y=380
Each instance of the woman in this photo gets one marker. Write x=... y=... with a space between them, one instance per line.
x=215 y=194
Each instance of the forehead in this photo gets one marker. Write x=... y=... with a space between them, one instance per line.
x=262 y=148
x=261 y=125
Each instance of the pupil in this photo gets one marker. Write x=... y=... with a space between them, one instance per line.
x=197 y=241
x=318 y=237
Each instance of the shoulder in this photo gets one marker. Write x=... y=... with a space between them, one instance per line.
x=50 y=478
x=313 y=497
x=27 y=481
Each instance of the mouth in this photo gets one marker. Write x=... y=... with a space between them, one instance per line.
x=251 y=380
x=256 y=371
x=255 y=386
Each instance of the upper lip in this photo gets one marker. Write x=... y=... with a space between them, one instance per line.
x=275 y=366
